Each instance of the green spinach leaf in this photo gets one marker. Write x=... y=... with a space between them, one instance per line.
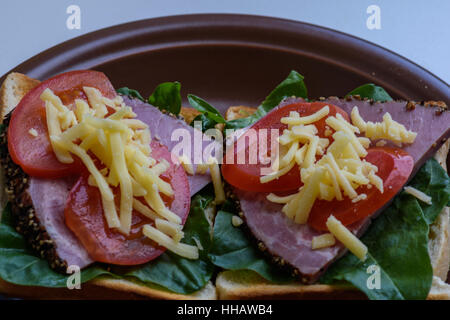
x=206 y=122
x=167 y=97
x=433 y=181
x=210 y=116
x=371 y=91
x=130 y=93
x=398 y=242
x=232 y=250
x=179 y=274
x=292 y=86
x=19 y=266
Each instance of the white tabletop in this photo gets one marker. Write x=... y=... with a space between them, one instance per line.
x=418 y=30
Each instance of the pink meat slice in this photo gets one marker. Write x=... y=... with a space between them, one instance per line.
x=288 y=240
x=49 y=200
x=49 y=195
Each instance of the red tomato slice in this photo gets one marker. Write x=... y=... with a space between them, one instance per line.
x=34 y=154
x=84 y=216
x=394 y=167
x=246 y=176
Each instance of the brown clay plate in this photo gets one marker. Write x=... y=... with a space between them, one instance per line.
x=235 y=59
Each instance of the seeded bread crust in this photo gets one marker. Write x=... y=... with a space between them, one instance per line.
x=25 y=220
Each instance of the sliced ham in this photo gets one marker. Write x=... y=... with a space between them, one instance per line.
x=292 y=242
x=288 y=240
x=49 y=200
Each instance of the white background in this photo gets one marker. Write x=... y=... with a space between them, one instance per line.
x=416 y=29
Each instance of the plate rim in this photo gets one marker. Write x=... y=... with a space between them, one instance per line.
x=112 y=35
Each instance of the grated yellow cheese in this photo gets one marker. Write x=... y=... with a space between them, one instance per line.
x=134 y=124
x=54 y=129
x=388 y=129
x=217 y=180
x=323 y=241
x=300 y=155
x=144 y=210
x=49 y=97
x=82 y=108
x=95 y=100
x=347 y=238
x=341 y=178
x=181 y=249
x=33 y=132
x=171 y=229
x=236 y=221
x=275 y=175
x=295 y=119
x=310 y=156
x=326 y=192
x=202 y=168
x=126 y=191
x=154 y=199
x=187 y=165
x=289 y=156
x=338 y=174
x=277 y=199
x=300 y=206
x=418 y=194
x=360 y=197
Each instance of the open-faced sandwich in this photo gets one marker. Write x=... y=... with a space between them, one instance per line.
x=334 y=198
x=92 y=186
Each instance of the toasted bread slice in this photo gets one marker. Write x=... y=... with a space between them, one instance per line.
x=245 y=285
x=237 y=285
x=15 y=86
x=438 y=244
x=105 y=288
x=248 y=285
x=13 y=89
x=238 y=112
x=189 y=114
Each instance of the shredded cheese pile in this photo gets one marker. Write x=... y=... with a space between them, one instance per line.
x=338 y=173
x=121 y=146
x=387 y=129
x=341 y=169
